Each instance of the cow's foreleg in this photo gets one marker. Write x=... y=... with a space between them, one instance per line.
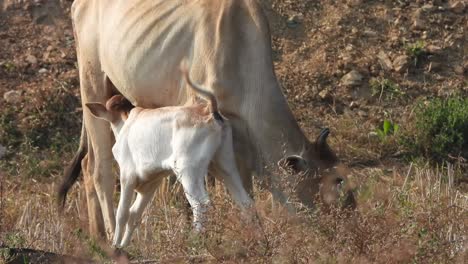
x=100 y=168
x=96 y=223
x=228 y=168
x=244 y=153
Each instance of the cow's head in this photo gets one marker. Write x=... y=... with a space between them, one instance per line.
x=321 y=172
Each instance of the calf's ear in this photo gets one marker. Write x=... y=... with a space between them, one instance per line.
x=99 y=111
x=296 y=163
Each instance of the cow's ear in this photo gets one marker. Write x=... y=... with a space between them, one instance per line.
x=98 y=110
x=296 y=163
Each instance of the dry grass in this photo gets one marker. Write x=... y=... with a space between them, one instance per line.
x=415 y=214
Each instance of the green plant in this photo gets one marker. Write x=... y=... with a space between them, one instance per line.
x=388 y=128
x=384 y=87
x=441 y=128
x=416 y=51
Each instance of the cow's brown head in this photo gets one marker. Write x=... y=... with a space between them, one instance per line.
x=321 y=172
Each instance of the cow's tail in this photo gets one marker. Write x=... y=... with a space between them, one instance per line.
x=213 y=103
x=73 y=170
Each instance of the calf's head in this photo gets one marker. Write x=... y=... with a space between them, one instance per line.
x=322 y=173
x=115 y=111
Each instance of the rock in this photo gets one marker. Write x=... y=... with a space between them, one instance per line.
x=12 y=97
x=31 y=59
x=295 y=20
x=362 y=113
x=433 y=49
x=458 y=7
x=459 y=69
x=8 y=4
x=325 y=95
x=3 y=151
x=385 y=61
x=370 y=33
x=353 y=105
x=434 y=66
x=427 y=7
x=352 y=78
x=373 y=135
x=42 y=70
x=418 y=23
x=401 y=63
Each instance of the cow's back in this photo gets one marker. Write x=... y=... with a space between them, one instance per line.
x=141 y=44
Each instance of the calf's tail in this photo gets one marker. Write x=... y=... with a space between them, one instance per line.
x=73 y=170
x=213 y=103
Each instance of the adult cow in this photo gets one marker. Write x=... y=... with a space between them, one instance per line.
x=139 y=45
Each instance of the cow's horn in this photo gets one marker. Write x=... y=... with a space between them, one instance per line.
x=322 y=138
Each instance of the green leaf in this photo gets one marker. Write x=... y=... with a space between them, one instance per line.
x=395 y=128
x=386 y=127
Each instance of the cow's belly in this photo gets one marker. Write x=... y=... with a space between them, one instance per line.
x=141 y=50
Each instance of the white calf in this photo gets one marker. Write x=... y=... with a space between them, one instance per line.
x=181 y=139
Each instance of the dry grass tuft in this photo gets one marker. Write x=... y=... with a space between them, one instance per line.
x=410 y=215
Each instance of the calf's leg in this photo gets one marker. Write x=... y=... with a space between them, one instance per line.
x=193 y=182
x=127 y=188
x=144 y=196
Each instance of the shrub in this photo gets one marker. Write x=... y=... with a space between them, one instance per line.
x=442 y=128
x=41 y=127
x=383 y=87
x=416 y=51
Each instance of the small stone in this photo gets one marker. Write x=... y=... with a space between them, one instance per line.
x=458 y=7
x=295 y=20
x=325 y=95
x=12 y=97
x=459 y=69
x=434 y=66
x=362 y=113
x=418 y=23
x=401 y=63
x=370 y=33
x=353 y=105
x=31 y=59
x=352 y=78
x=373 y=135
x=3 y=151
x=433 y=49
x=42 y=70
x=385 y=61
x=427 y=7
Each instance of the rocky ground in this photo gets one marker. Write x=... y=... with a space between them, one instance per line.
x=348 y=65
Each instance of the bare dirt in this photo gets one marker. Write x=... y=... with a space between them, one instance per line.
x=316 y=45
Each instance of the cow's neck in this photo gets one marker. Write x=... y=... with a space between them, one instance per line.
x=275 y=129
